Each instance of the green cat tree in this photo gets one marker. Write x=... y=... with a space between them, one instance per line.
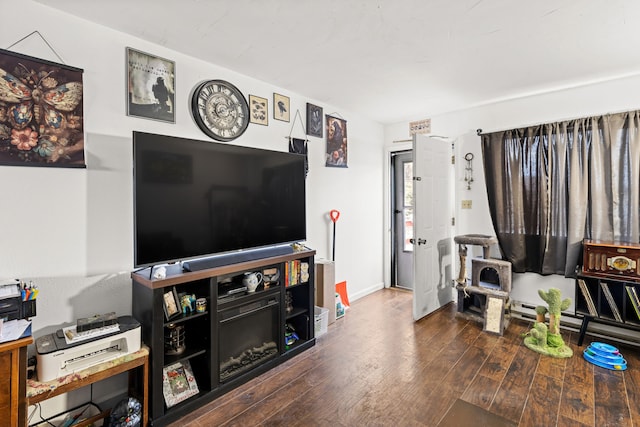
x=547 y=339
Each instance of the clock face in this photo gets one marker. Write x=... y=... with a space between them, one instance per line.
x=220 y=110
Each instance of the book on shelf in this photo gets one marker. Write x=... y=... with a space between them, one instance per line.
x=614 y=307
x=292 y=273
x=633 y=296
x=587 y=297
x=178 y=383
x=287 y=274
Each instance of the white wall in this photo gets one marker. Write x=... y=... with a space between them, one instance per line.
x=596 y=99
x=71 y=230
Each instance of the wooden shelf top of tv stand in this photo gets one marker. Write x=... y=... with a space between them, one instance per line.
x=176 y=275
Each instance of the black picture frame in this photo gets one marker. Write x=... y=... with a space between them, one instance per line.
x=314 y=120
x=150 y=86
x=41 y=113
x=171 y=303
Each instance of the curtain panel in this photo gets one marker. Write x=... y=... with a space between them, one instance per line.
x=552 y=185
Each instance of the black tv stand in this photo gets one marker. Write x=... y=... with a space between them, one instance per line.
x=208 y=336
x=236 y=257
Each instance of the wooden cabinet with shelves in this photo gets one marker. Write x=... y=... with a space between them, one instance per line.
x=607 y=300
x=13 y=373
x=217 y=347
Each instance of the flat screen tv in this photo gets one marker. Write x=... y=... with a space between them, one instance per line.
x=195 y=199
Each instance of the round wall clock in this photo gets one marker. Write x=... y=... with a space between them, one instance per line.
x=220 y=110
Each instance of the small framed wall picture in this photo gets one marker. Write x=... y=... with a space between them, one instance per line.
x=281 y=107
x=314 y=120
x=258 y=110
x=171 y=303
x=150 y=86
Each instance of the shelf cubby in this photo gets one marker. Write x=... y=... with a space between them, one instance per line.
x=606 y=300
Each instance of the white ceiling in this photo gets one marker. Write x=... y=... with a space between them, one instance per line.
x=392 y=60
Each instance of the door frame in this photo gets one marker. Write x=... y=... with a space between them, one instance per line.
x=407 y=145
x=398 y=251
x=404 y=145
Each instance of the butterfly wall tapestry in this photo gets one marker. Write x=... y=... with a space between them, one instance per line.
x=41 y=121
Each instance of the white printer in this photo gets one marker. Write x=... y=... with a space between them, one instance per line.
x=65 y=352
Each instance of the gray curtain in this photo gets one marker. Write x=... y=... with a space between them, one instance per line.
x=551 y=186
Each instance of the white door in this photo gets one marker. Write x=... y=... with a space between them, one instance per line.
x=432 y=195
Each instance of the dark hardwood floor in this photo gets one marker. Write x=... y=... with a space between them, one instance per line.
x=377 y=367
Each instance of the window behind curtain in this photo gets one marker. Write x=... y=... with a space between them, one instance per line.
x=552 y=185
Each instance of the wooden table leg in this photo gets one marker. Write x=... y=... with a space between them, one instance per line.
x=134 y=384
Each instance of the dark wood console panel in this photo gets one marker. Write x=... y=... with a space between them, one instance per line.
x=239 y=335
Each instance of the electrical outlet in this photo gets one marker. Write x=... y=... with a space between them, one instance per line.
x=466 y=204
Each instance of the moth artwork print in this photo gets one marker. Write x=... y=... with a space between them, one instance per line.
x=41 y=120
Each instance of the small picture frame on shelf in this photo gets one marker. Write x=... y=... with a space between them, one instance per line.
x=270 y=277
x=171 y=303
x=178 y=383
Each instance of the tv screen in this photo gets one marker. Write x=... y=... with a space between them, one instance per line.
x=194 y=198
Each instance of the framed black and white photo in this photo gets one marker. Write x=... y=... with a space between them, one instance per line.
x=281 y=107
x=258 y=110
x=150 y=86
x=171 y=303
x=314 y=120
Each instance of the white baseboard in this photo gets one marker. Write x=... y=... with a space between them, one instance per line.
x=364 y=292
